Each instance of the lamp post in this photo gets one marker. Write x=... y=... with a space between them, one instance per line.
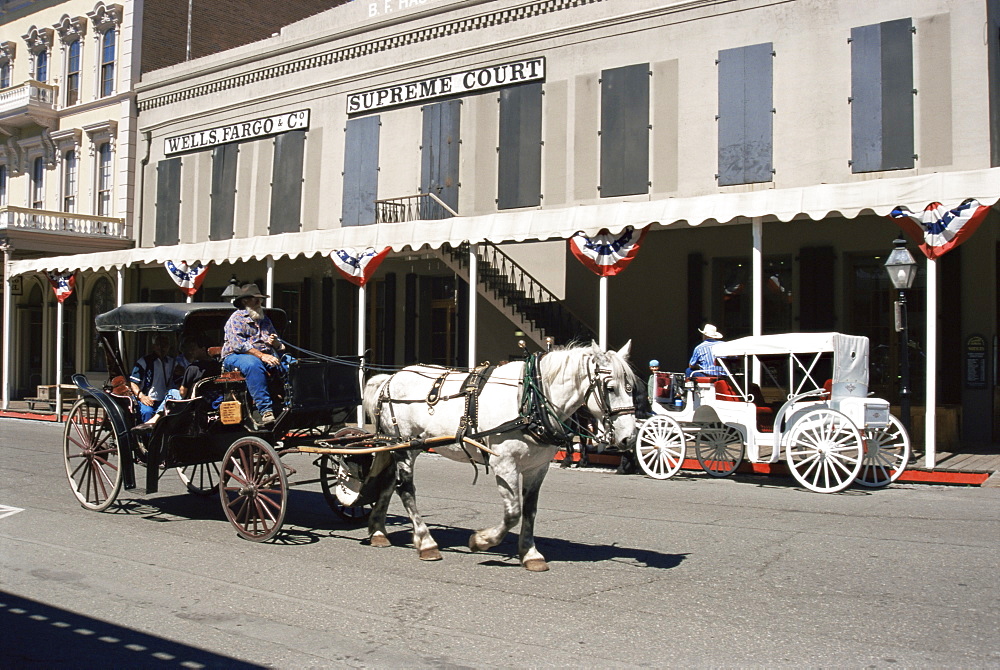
x=230 y=292
x=902 y=271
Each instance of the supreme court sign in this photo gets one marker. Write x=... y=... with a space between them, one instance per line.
x=478 y=79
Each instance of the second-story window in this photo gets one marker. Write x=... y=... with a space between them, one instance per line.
x=42 y=66
x=69 y=182
x=73 y=74
x=108 y=62
x=3 y=185
x=104 y=180
x=38 y=183
x=5 y=68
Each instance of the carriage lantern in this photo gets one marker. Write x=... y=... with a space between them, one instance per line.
x=230 y=292
x=902 y=271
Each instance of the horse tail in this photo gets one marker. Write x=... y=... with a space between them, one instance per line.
x=370 y=396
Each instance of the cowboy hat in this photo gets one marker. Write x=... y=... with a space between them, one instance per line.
x=710 y=332
x=248 y=291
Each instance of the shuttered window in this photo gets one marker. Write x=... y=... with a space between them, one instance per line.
x=882 y=96
x=168 y=202
x=360 y=171
x=520 y=150
x=439 y=153
x=223 y=191
x=625 y=131
x=286 y=182
x=745 y=114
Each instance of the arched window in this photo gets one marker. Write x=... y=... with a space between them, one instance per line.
x=108 y=62
x=104 y=180
x=42 y=66
x=69 y=181
x=38 y=183
x=102 y=299
x=73 y=74
x=3 y=185
x=5 y=74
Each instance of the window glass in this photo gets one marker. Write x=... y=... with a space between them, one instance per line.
x=3 y=185
x=108 y=63
x=38 y=184
x=102 y=299
x=73 y=74
x=733 y=295
x=5 y=75
x=42 y=66
x=69 y=182
x=104 y=180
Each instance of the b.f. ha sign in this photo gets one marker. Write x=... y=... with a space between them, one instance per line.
x=236 y=132
x=479 y=79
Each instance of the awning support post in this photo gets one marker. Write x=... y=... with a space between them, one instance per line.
x=269 y=282
x=757 y=284
x=8 y=330
x=473 y=296
x=930 y=402
x=361 y=348
x=59 y=359
x=602 y=329
x=120 y=300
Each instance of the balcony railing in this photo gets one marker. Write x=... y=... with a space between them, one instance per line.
x=29 y=98
x=22 y=218
x=420 y=207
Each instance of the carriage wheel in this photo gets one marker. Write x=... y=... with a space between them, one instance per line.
x=719 y=449
x=824 y=451
x=329 y=467
x=92 y=456
x=660 y=447
x=887 y=451
x=254 y=489
x=201 y=479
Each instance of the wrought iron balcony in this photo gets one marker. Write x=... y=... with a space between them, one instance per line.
x=45 y=221
x=27 y=103
x=420 y=207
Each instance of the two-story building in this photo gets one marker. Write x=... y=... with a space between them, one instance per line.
x=761 y=143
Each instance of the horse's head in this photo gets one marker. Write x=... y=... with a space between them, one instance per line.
x=610 y=397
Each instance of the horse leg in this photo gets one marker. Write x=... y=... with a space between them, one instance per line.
x=486 y=538
x=427 y=548
x=531 y=558
x=376 y=522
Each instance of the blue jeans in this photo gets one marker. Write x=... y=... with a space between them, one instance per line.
x=255 y=372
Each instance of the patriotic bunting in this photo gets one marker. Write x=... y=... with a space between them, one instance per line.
x=938 y=229
x=605 y=254
x=358 y=267
x=187 y=277
x=62 y=284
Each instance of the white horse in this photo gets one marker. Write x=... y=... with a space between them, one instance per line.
x=427 y=401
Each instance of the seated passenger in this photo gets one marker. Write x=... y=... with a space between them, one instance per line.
x=151 y=377
x=251 y=346
x=702 y=361
x=194 y=349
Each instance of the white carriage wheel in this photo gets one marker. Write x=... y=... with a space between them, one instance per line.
x=660 y=447
x=887 y=451
x=824 y=451
x=719 y=449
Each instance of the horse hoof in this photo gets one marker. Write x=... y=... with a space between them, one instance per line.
x=380 y=541
x=430 y=554
x=536 y=565
x=475 y=544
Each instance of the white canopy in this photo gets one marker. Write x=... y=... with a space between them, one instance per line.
x=850 y=352
x=871 y=196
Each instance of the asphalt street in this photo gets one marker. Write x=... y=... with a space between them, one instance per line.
x=689 y=572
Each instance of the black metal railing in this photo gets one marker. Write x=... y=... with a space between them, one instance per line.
x=419 y=207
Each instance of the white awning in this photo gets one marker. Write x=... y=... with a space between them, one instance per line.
x=849 y=200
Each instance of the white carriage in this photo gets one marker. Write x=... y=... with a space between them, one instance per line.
x=811 y=405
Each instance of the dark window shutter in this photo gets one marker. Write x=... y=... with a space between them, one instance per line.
x=746 y=79
x=817 y=266
x=520 y=160
x=360 y=171
x=345 y=334
x=410 y=317
x=387 y=329
x=439 y=154
x=625 y=131
x=286 y=182
x=224 y=160
x=168 y=202
x=882 y=96
x=695 y=296
x=326 y=316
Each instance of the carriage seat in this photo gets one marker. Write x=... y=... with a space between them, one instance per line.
x=724 y=391
x=215 y=352
x=765 y=414
x=827 y=389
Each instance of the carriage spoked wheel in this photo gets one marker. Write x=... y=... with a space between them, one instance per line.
x=201 y=479
x=332 y=471
x=254 y=489
x=719 y=449
x=887 y=451
x=660 y=447
x=824 y=451
x=92 y=455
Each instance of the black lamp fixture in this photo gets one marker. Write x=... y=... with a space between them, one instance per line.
x=230 y=291
x=902 y=270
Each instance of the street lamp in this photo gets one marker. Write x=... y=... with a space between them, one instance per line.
x=902 y=271
x=230 y=292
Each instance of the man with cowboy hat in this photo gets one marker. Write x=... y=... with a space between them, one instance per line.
x=251 y=346
x=702 y=361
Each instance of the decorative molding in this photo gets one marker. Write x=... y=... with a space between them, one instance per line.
x=12 y=157
x=35 y=146
x=71 y=29
x=465 y=25
x=105 y=131
x=67 y=140
x=7 y=51
x=105 y=16
x=38 y=39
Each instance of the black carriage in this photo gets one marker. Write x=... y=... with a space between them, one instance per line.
x=212 y=439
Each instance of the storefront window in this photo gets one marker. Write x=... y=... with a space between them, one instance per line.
x=733 y=296
x=102 y=299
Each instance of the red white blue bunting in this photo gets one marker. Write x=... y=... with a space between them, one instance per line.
x=62 y=284
x=938 y=230
x=605 y=254
x=358 y=267
x=187 y=277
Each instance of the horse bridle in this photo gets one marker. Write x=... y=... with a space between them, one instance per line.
x=600 y=378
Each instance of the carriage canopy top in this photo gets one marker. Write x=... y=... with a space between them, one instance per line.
x=172 y=316
x=850 y=352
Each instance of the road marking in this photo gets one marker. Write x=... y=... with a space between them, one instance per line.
x=9 y=511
